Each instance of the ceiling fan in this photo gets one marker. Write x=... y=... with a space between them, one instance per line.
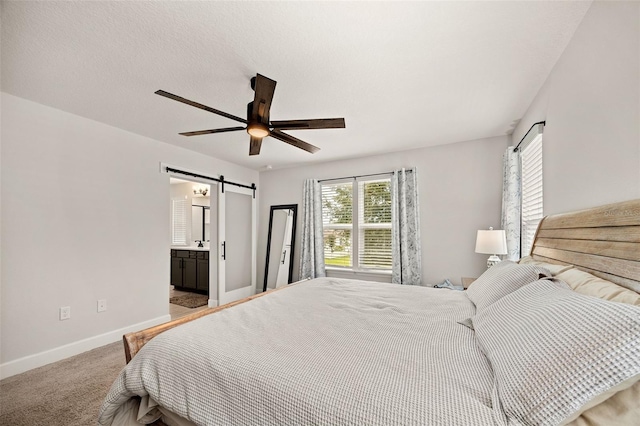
x=257 y=122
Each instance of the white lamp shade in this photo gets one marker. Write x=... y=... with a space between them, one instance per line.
x=493 y=241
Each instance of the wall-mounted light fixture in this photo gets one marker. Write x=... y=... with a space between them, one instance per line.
x=200 y=191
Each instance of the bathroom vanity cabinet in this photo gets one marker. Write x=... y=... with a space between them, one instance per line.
x=190 y=270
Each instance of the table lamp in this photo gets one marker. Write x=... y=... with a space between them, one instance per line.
x=493 y=242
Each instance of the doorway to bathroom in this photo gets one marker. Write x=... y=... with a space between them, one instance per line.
x=193 y=265
x=223 y=220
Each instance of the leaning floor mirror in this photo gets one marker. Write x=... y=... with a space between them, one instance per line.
x=280 y=245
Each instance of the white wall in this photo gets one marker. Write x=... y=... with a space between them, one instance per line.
x=591 y=103
x=460 y=192
x=85 y=216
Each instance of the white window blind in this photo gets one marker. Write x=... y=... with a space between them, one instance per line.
x=374 y=224
x=356 y=218
x=178 y=221
x=532 y=208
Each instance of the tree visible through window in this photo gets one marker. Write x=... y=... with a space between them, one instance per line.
x=360 y=209
x=337 y=221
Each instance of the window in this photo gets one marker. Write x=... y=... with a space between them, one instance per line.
x=178 y=221
x=356 y=218
x=531 y=159
x=337 y=223
x=374 y=224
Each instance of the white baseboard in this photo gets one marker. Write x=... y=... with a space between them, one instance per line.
x=237 y=294
x=29 y=362
x=212 y=303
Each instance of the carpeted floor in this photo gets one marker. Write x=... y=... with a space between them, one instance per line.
x=65 y=393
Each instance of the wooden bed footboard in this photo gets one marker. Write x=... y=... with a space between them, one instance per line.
x=134 y=341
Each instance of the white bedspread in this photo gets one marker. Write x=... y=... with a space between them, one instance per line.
x=326 y=351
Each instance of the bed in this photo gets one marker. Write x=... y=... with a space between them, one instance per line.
x=553 y=339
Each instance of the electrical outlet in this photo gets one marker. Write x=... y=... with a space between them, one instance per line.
x=102 y=305
x=65 y=313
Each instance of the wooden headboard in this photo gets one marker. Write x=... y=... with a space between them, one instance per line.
x=604 y=241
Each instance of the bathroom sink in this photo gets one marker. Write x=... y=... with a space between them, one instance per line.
x=194 y=247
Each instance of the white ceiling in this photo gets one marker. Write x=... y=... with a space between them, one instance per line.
x=403 y=74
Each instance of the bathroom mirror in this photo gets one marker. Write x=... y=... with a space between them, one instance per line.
x=200 y=220
x=280 y=245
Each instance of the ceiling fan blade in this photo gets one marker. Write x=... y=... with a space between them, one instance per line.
x=293 y=141
x=207 y=132
x=254 y=146
x=264 y=88
x=319 y=123
x=197 y=105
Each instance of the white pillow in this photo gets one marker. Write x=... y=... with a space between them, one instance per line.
x=585 y=283
x=502 y=279
x=555 y=352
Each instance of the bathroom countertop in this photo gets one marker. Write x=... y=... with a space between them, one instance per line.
x=196 y=248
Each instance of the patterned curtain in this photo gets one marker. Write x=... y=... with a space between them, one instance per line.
x=511 y=200
x=312 y=255
x=405 y=228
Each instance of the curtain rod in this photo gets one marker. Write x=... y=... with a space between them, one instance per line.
x=525 y=135
x=359 y=176
x=220 y=179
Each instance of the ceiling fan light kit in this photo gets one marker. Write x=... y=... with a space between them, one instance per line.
x=257 y=130
x=258 y=124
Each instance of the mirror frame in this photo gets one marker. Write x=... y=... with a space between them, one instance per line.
x=293 y=207
x=204 y=233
